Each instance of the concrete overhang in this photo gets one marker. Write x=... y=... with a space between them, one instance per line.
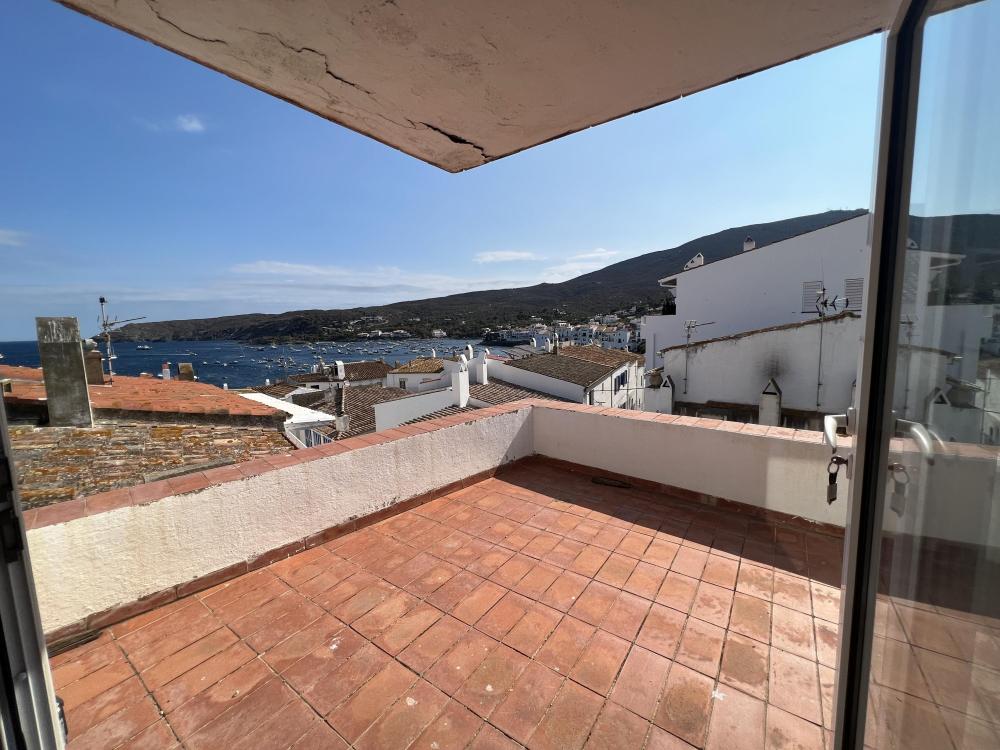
x=461 y=83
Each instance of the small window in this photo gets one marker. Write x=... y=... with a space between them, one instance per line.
x=402 y=383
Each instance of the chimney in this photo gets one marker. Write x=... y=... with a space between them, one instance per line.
x=548 y=344
x=460 y=387
x=64 y=371
x=555 y=347
x=165 y=371
x=341 y=370
x=185 y=371
x=749 y=244
x=225 y=386
x=267 y=381
x=342 y=422
x=434 y=353
x=481 y=365
x=93 y=363
x=534 y=343
x=469 y=353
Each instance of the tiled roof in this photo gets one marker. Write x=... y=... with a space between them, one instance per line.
x=358 y=402
x=600 y=355
x=129 y=394
x=568 y=369
x=446 y=412
x=59 y=463
x=421 y=365
x=16 y=372
x=499 y=392
x=278 y=390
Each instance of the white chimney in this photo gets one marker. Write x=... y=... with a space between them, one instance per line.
x=548 y=344
x=460 y=387
x=225 y=386
x=469 y=354
x=166 y=371
x=342 y=422
x=434 y=353
x=341 y=371
x=480 y=362
x=267 y=381
x=749 y=244
x=534 y=343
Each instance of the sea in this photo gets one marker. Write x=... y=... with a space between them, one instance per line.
x=239 y=365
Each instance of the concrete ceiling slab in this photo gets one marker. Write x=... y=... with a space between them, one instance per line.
x=459 y=83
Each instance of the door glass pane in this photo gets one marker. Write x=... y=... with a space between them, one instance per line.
x=935 y=675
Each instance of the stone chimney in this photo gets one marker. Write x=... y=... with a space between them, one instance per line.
x=341 y=370
x=93 y=363
x=342 y=422
x=185 y=371
x=64 y=371
x=460 y=387
x=749 y=244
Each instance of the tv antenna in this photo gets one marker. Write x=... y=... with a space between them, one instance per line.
x=826 y=306
x=107 y=326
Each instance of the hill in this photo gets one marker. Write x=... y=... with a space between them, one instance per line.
x=620 y=285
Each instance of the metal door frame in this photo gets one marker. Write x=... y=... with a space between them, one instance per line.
x=28 y=717
x=875 y=422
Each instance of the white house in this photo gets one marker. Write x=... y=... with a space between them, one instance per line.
x=328 y=377
x=762 y=286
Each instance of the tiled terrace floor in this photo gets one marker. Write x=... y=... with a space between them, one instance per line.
x=536 y=609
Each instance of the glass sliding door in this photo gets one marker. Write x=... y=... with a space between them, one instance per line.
x=921 y=656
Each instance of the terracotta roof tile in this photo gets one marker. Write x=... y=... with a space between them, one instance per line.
x=421 y=365
x=500 y=392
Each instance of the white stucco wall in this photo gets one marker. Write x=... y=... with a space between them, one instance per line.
x=394 y=413
x=782 y=475
x=93 y=563
x=737 y=370
x=760 y=288
x=499 y=370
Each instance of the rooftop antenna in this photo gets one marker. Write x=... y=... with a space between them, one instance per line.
x=689 y=326
x=825 y=306
x=107 y=326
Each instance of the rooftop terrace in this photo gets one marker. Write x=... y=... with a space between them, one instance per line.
x=533 y=608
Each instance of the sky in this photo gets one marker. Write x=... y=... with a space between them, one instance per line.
x=176 y=192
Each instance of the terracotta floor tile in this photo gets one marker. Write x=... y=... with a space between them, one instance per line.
x=752 y=617
x=660 y=552
x=590 y=560
x=616 y=570
x=453 y=729
x=600 y=661
x=455 y=667
x=341 y=592
x=792 y=631
x=469 y=553
x=634 y=544
x=685 y=704
x=827 y=642
x=504 y=615
x=595 y=601
x=413 y=569
x=660 y=740
x=617 y=729
x=563 y=592
x=792 y=591
x=432 y=579
x=455 y=591
x=661 y=631
x=954 y=683
x=564 y=553
x=512 y=571
x=827 y=679
x=564 y=646
x=626 y=616
x=281 y=728
x=95 y=683
x=569 y=719
x=534 y=583
x=248 y=712
x=525 y=705
x=155 y=652
x=492 y=680
x=745 y=665
x=491 y=738
x=737 y=722
x=532 y=630
x=786 y=731
x=87 y=663
x=755 y=581
x=825 y=601
x=712 y=604
x=119 y=727
x=721 y=571
x=157 y=736
x=640 y=681
x=479 y=602
x=701 y=647
x=328 y=656
x=101 y=706
x=488 y=563
x=794 y=685
x=677 y=592
x=362 y=709
x=645 y=580
x=908 y=722
x=332 y=688
x=689 y=562
x=363 y=602
x=406 y=719
x=407 y=628
x=608 y=537
x=541 y=544
x=429 y=646
x=188 y=658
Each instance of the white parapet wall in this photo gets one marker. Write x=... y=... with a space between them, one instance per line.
x=97 y=562
x=784 y=475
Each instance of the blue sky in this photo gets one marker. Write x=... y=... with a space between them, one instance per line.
x=178 y=193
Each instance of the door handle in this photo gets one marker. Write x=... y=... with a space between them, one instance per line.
x=831 y=423
x=920 y=436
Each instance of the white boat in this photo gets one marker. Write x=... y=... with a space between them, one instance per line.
x=144 y=346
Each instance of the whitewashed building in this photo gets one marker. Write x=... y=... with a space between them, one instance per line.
x=762 y=287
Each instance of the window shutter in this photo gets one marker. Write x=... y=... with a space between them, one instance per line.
x=810 y=294
x=854 y=291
